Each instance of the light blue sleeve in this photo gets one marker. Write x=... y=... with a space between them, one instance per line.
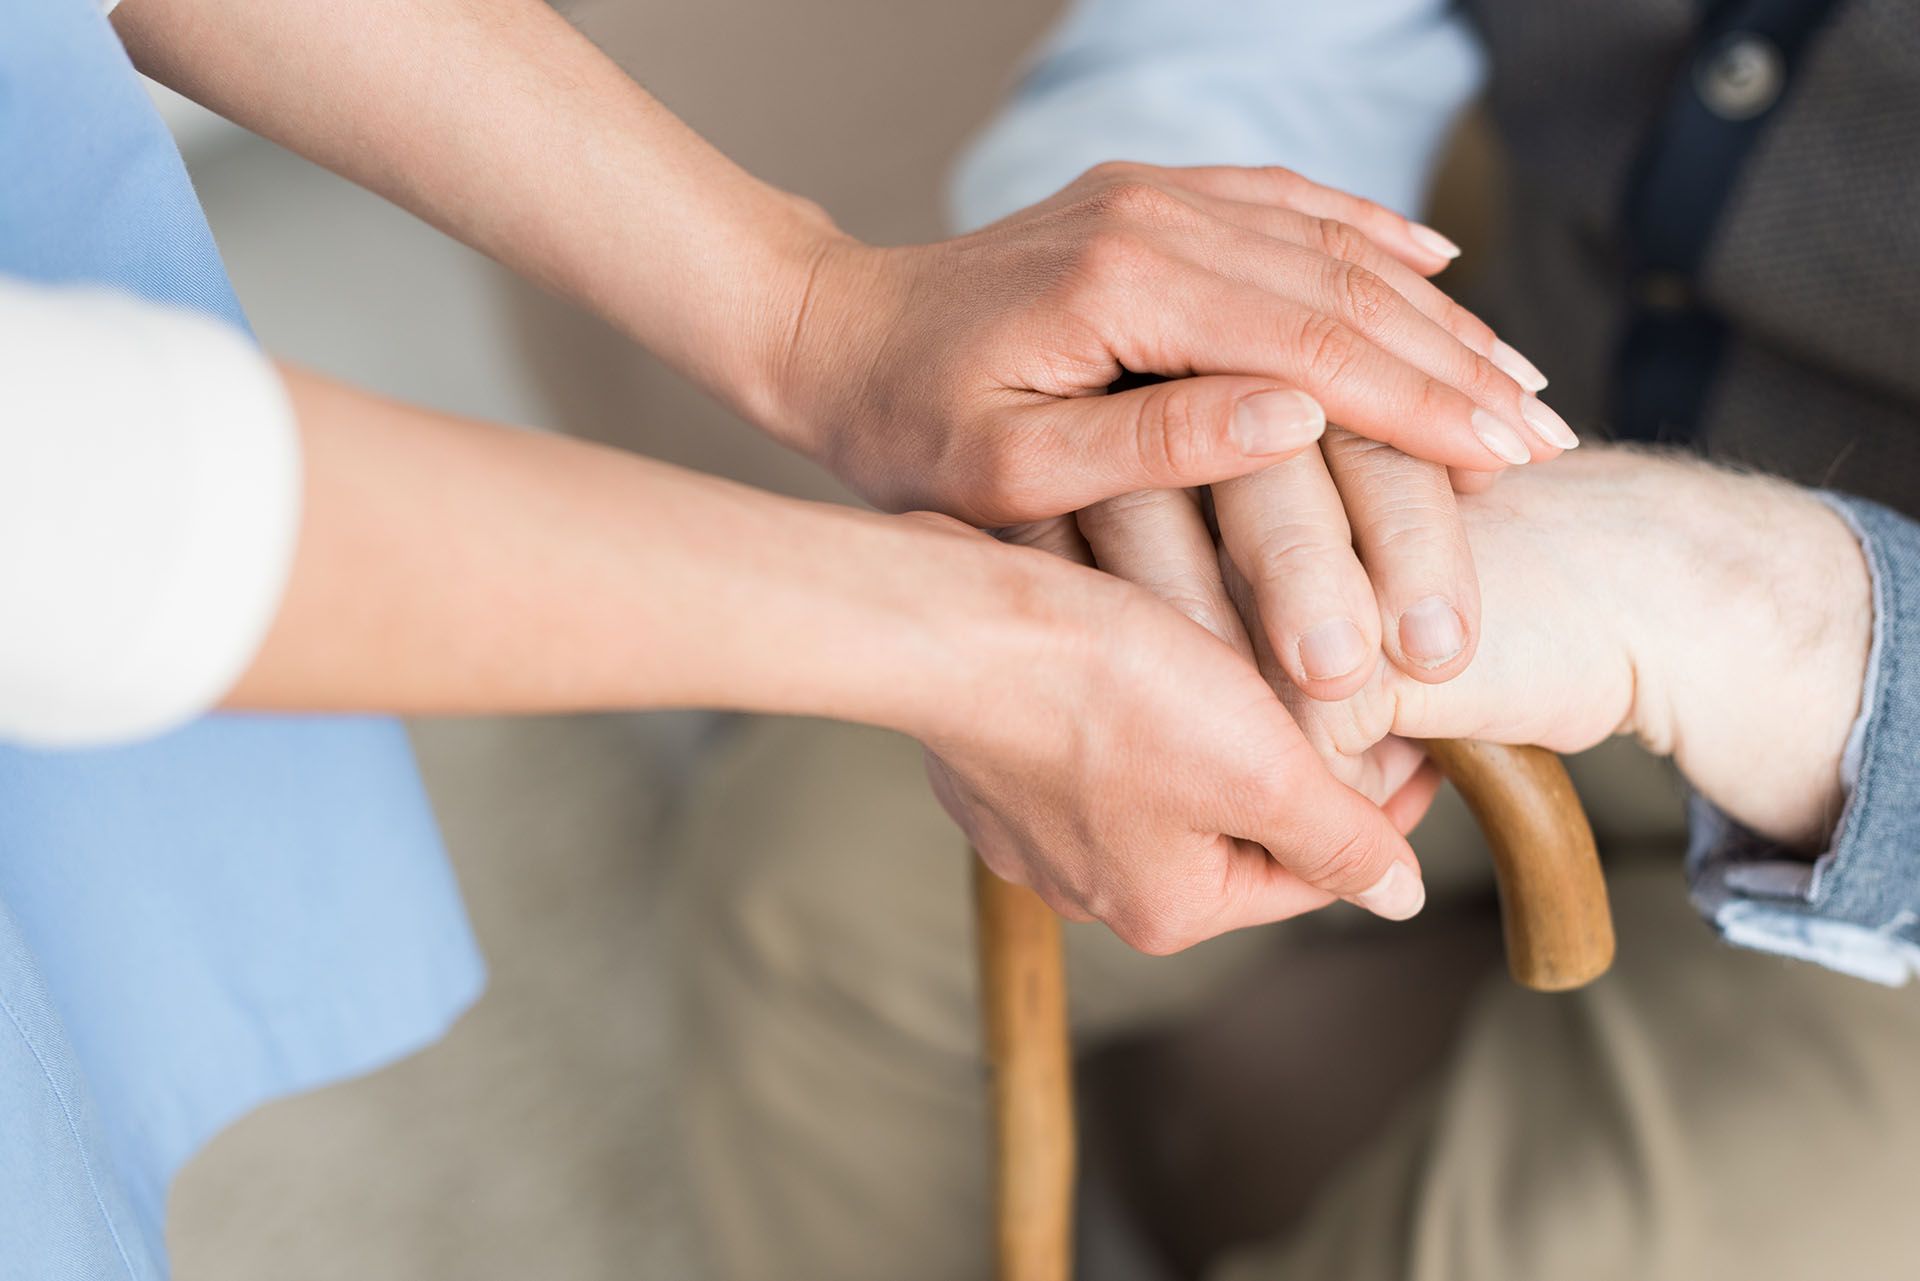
x=1856 y=908
x=1358 y=95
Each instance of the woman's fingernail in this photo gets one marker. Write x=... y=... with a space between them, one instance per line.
x=1432 y=241
x=1396 y=896
x=1277 y=422
x=1502 y=441
x=1332 y=649
x=1515 y=366
x=1431 y=632
x=1550 y=427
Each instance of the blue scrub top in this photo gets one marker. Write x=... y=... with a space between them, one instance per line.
x=193 y=925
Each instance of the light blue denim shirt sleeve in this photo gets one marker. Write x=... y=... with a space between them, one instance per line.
x=1358 y=95
x=1855 y=908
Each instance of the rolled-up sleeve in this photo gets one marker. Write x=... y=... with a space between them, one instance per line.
x=1359 y=95
x=149 y=506
x=1856 y=908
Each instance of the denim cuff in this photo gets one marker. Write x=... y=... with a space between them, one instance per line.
x=1855 y=908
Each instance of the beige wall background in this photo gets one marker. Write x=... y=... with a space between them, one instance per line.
x=534 y=1140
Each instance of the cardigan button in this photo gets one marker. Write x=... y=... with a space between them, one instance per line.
x=1740 y=76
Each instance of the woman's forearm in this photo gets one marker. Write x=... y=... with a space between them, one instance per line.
x=1093 y=741
x=499 y=123
x=450 y=566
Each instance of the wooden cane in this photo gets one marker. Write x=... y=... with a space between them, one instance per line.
x=1553 y=907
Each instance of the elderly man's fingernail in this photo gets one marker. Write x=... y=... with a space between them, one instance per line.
x=1515 y=366
x=1431 y=632
x=1277 y=422
x=1396 y=896
x=1550 y=426
x=1502 y=441
x=1332 y=649
x=1432 y=241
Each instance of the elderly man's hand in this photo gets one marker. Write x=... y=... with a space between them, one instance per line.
x=964 y=376
x=1351 y=551
x=1723 y=619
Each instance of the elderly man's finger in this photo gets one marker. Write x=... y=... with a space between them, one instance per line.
x=1159 y=539
x=1409 y=536
x=1287 y=534
x=1058 y=534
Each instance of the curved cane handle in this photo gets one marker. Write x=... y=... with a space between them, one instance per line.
x=1553 y=900
x=1553 y=903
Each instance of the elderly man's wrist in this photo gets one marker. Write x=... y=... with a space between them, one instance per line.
x=1749 y=637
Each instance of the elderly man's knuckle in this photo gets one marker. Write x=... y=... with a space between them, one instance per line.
x=1411 y=530
x=1354 y=455
x=1120 y=512
x=1289 y=552
x=1190 y=597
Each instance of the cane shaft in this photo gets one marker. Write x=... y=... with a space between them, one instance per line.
x=1023 y=996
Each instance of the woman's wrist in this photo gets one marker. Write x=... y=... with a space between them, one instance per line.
x=823 y=334
x=981 y=638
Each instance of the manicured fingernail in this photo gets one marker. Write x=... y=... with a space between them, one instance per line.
x=1549 y=426
x=1332 y=649
x=1396 y=896
x=1502 y=441
x=1432 y=241
x=1431 y=632
x=1277 y=422
x=1515 y=366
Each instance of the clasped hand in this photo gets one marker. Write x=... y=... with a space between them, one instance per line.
x=1622 y=594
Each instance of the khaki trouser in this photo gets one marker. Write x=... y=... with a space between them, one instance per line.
x=1699 y=1113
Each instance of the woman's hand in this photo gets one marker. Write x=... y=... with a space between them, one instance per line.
x=956 y=376
x=1723 y=619
x=964 y=376
x=1132 y=767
